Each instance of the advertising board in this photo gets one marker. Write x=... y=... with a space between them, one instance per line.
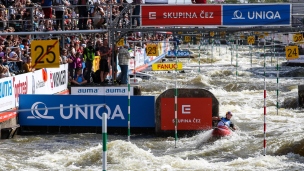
x=180 y=15
x=109 y=91
x=192 y=113
x=7 y=94
x=81 y=110
x=43 y=81
x=257 y=15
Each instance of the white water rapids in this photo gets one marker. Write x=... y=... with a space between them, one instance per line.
x=241 y=94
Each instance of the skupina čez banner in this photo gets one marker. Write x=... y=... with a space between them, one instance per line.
x=216 y=15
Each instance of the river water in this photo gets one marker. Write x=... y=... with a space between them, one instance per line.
x=241 y=93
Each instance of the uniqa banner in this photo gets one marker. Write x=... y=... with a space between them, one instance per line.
x=84 y=110
x=257 y=15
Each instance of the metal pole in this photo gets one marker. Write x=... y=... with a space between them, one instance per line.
x=54 y=32
x=104 y=141
x=113 y=56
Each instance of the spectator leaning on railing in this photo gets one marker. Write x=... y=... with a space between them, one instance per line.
x=4 y=71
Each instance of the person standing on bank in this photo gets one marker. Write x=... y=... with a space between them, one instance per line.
x=105 y=53
x=123 y=61
x=89 y=55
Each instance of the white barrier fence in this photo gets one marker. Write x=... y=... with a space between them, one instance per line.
x=52 y=81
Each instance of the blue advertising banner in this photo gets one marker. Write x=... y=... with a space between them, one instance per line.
x=85 y=110
x=257 y=15
x=179 y=53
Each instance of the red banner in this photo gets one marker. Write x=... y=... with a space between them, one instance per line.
x=181 y=15
x=192 y=113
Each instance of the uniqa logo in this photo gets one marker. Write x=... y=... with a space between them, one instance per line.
x=255 y=15
x=36 y=114
x=88 y=90
x=6 y=89
x=115 y=90
x=91 y=111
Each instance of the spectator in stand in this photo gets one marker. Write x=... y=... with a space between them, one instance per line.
x=4 y=71
x=98 y=17
x=63 y=56
x=114 y=63
x=79 y=78
x=47 y=10
x=89 y=55
x=59 y=6
x=123 y=60
x=105 y=53
x=136 y=11
x=28 y=65
x=75 y=63
x=83 y=13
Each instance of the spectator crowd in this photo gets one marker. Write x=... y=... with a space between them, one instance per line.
x=56 y=15
x=78 y=50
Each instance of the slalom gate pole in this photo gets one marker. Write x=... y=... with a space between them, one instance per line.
x=220 y=48
x=273 y=48
x=236 y=59
x=231 y=50
x=264 y=101
x=104 y=141
x=199 y=58
x=207 y=50
x=134 y=63
x=188 y=50
x=175 y=100
x=212 y=51
x=129 y=110
x=250 y=55
x=278 y=75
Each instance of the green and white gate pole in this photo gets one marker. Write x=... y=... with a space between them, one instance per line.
x=129 y=110
x=104 y=141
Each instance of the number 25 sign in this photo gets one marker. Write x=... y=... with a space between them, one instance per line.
x=45 y=53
